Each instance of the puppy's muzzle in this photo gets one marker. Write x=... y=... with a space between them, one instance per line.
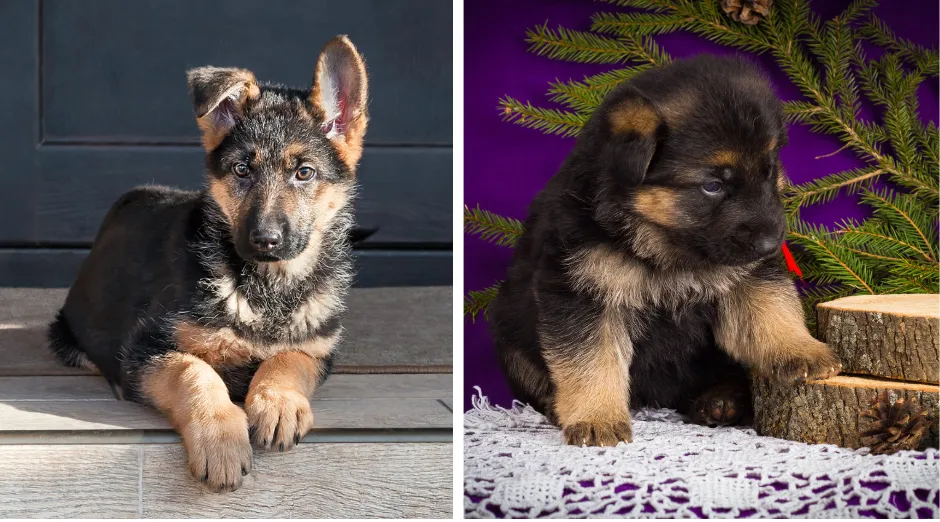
x=766 y=246
x=265 y=240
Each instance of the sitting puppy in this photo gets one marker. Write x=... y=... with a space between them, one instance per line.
x=650 y=272
x=190 y=300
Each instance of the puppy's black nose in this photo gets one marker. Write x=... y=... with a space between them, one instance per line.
x=265 y=240
x=765 y=246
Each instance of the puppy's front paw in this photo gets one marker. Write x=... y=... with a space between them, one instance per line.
x=218 y=449
x=815 y=363
x=279 y=418
x=598 y=433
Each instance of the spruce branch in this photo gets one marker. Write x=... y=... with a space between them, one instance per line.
x=477 y=302
x=637 y=24
x=801 y=112
x=902 y=285
x=877 y=32
x=576 y=96
x=875 y=240
x=576 y=46
x=705 y=20
x=646 y=49
x=586 y=95
x=491 y=227
x=855 y=10
x=823 y=190
x=550 y=121
x=906 y=213
x=928 y=139
x=841 y=265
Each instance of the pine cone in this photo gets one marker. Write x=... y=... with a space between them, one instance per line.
x=748 y=12
x=894 y=426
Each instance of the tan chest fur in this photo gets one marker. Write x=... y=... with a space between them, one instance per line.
x=622 y=282
x=223 y=347
x=312 y=313
x=308 y=316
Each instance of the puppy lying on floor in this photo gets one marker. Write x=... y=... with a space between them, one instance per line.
x=190 y=300
x=650 y=272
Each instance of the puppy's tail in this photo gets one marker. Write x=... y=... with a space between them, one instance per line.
x=65 y=346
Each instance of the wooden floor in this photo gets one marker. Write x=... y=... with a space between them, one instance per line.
x=381 y=446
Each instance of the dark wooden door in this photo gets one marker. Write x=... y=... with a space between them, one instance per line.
x=93 y=102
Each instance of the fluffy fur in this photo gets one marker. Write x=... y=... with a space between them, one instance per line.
x=650 y=271
x=188 y=297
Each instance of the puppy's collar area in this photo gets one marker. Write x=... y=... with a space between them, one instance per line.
x=791 y=262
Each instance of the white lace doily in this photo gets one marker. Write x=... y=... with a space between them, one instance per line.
x=516 y=465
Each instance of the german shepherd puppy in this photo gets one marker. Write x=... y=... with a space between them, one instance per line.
x=190 y=300
x=650 y=272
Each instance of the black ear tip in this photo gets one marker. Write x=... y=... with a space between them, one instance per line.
x=341 y=43
x=195 y=78
x=200 y=73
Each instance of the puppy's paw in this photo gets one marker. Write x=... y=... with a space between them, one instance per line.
x=719 y=406
x=598 y=433
x=218 y=449
x=279 y=418
x=813 y=364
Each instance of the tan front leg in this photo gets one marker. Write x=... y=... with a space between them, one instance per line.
x=214 y=430
x=761 y=324
x=277 y=401
x=592 y=385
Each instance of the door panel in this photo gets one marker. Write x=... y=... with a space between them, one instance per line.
x=132 y=83
x=94 y=102
x=400 y=197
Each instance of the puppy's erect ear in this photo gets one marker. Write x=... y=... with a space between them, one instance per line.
x=219 y=96
x=632 y=124
x=340 y=91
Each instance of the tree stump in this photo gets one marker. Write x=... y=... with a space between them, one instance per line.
x=887 y=343
x=892 y=336
x=830 y=411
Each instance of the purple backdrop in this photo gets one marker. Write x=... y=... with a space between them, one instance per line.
x=506 y=165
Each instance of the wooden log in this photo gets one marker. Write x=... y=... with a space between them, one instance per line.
x=830 y=411
x=890 y=336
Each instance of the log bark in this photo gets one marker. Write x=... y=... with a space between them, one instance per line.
x=890 y=336
x=830 y=411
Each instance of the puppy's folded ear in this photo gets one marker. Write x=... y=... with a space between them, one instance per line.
x=632 y=124
x=219 y=96
x=340 y=91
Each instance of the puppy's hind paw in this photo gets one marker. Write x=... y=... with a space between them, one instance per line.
x=720 y=406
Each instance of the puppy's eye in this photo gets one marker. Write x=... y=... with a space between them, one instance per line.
x=305 y=173
x=712 y=188
x=241 y=170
